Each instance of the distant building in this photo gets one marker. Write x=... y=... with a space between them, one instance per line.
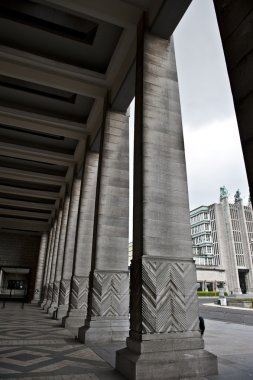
x=222 y=240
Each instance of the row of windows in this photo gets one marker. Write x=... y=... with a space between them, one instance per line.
x=201 y=239
x=202 y=250
x=249 y=226
x=237 y=236
x=214 y=236
x=235 y=225
x=233 y=212
x=239 y=254
x=199 y=217
x=200 y=228
x=248 y=214
x=206 y=261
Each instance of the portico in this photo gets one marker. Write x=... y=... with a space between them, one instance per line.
x=64 y=170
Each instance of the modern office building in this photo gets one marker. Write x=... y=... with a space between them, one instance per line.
x=222 y=241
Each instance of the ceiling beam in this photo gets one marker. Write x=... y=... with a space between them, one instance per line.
x=31 y=225
x=28 y=176
x=31 y=72
x=25 y=58
x=29 y=192
x=112 y=11
x=41 y=123
x=24 y=213
x=35 y=154
x=26 y=204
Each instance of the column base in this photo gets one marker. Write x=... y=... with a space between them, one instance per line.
x=103 y=331
x=74 y=320
x=35 y=301
x=52 y=308
x=62 y=311
x=173 y=358
x=43 y=303
x=47 y=305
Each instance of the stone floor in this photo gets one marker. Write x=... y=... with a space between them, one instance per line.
x=33 y=346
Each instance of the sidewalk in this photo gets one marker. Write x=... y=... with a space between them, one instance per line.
x=33 y=346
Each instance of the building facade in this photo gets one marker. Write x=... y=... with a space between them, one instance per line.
x=222 y=241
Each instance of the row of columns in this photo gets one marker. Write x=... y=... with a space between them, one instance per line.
x=86 y=279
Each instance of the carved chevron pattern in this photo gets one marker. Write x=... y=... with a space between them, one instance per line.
x=64 y=292
x=167 y=298
x=79 y=292
x=56 y=290
x=50 y=291
x=110 y=294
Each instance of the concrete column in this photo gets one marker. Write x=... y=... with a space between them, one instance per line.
x=53 y=265
x=165 y=341
x=246 y=246
x=83 y=251
x=60 y=253
x=108 y=309
x=48 y=265
x=227 y=247
x=69 y=250
x=40 y=268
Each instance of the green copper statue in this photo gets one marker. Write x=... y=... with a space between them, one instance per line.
x=238 y=196
x=223 y=192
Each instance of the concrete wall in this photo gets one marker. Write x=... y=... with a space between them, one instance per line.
x=18 y=250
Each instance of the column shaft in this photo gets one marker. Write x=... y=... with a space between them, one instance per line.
x=60 y=254
x=53 y=265
x=48 y=265
x=108 y=310
x=69 y=250
x=164 y=335
x=40 y=268
x=83 y=250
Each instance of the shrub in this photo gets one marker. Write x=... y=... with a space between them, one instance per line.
x=210 y=294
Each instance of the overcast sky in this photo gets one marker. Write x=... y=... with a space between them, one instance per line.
x=213 y=151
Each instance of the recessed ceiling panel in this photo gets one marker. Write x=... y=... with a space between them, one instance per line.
x=85 y=42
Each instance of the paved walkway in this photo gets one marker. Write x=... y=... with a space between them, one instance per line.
x=33 y=346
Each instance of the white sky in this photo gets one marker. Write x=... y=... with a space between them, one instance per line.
x=212 y=146
x=213 y=150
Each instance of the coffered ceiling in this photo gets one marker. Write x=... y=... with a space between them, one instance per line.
x=59 y=60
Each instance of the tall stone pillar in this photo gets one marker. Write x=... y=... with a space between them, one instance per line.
x=108 y=309
x=60 y=254
x=69 y=250
x=228 y=248
x=246 y=246
x=48 y=264
x=40 y=268
x=165 y=341
x=54 y=258
x=83 y=251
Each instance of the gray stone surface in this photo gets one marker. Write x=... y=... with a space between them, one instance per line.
x=48 y=265
x=109 y=272
x=83 y=251
x=60 y=255
x=40 y=268
x=69 y=250
x=163 y=301
x=53 y=262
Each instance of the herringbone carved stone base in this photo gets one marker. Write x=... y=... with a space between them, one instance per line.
x=110 y=294
x=109 y=310
x=163 y=296
x=78 y=303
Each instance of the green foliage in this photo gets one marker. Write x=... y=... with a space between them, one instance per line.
x=210 y=294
